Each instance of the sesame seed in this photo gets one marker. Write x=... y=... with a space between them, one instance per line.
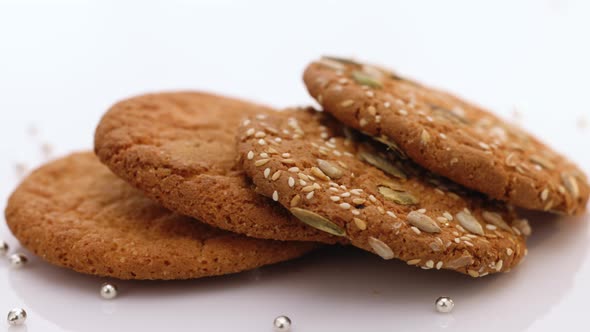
x=499 y=265
x=307 y=189
x=442 y=220
x=372 y=198
x=261 y=162
x=286 y=155
x=372 y=110
x=278 y=139
x=439 y=265
x=457 y=240
x=416 y=230
x=448 y=215
x=356 y=191
x=345 y=206
x=275 y=196
x=346 y=194
x=261 y=116
x=291 y=182
x=509 y=251
x=261 y=141
x=361 y=224
x=442 y=135
x=348 y=154
x=310 y=195
x=250 y=132
x=250 y=155
x=484 y=146
x=337 y=153
x=545 y=194
x=302 y=176
x=333 y=184
x=363 y=122
x=343 y=187
x=333 y=189
x=421 y=211
x=294 y=169
x=429 y=264
x=260 y=134
x=413 y=261
x=370 y=94
x=347 y=103
x=386 y=104
x=491 y=227
x=355 y=212
x=335 y=198
x=402 y=112
x=302 y=182
x=358 y=201
x=246 y=122
x=288 y=161
x=468 y=243
x=266 y=172
x=272 y=150
x=391 y=214
x=473 y=273
x=264 y=155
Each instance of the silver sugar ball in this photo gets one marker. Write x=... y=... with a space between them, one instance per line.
x=18 y=260
x=17 y=316
x=282 y=323
x=108 y=291
x=444 y=304
x=3 y=248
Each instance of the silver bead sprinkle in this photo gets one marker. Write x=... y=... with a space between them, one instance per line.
x=108 y=291
x=3 y=248
x=17 y=260
x=282 y=323
x=444 y=304
x=17 y=316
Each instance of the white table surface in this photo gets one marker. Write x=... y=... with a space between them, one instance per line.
x=62 y=65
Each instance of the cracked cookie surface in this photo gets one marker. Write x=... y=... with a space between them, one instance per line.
x=449 y=136
x=75 y=213
x=180 y=150
x=346 y=185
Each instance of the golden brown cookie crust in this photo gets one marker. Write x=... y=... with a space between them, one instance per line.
x=75 y=213
x=449 y=136
x=309 y=164
x=179 y=149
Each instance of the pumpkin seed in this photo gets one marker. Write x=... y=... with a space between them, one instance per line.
x=365 y=79
x=397 y=196
x=382 y=164
x=316 y=221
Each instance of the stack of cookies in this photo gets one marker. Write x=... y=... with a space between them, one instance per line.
x=189 y=184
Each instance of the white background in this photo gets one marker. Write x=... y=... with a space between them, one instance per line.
x=63 y=64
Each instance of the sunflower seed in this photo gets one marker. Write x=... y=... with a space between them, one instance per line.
x=315 y=220
x=423 y=222
x=334 y=172
x=318 y=172
x=473 y=273
x=462 y=261
x=365 y=79
x=413 y=261
x=397 y=196
x=361 y=224
x=499 y=265
x=496 y=220
x=261 y=162
x=542 y=162
x=382 y=164
x=380 y=248
x=347 y=102
x=570 y=183
x=469 y=222
x=295 y=200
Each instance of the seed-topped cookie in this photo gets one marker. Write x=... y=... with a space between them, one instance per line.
x=349 y=187
x=75 y=213
x=448 y=136
x=180 y=150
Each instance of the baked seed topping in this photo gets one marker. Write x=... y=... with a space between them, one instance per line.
x=469 y=223
x=423 y=222
x=397 y=196
x=315 y=220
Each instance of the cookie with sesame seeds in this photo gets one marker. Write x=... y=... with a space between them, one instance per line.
x=74 y=213
x=448 y=136
x=180 y=150
x=344 y=184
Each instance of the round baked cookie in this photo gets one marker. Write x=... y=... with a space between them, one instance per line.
x=180 y=150
x=76 y=214
x=349 y=187
x=449 y=136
